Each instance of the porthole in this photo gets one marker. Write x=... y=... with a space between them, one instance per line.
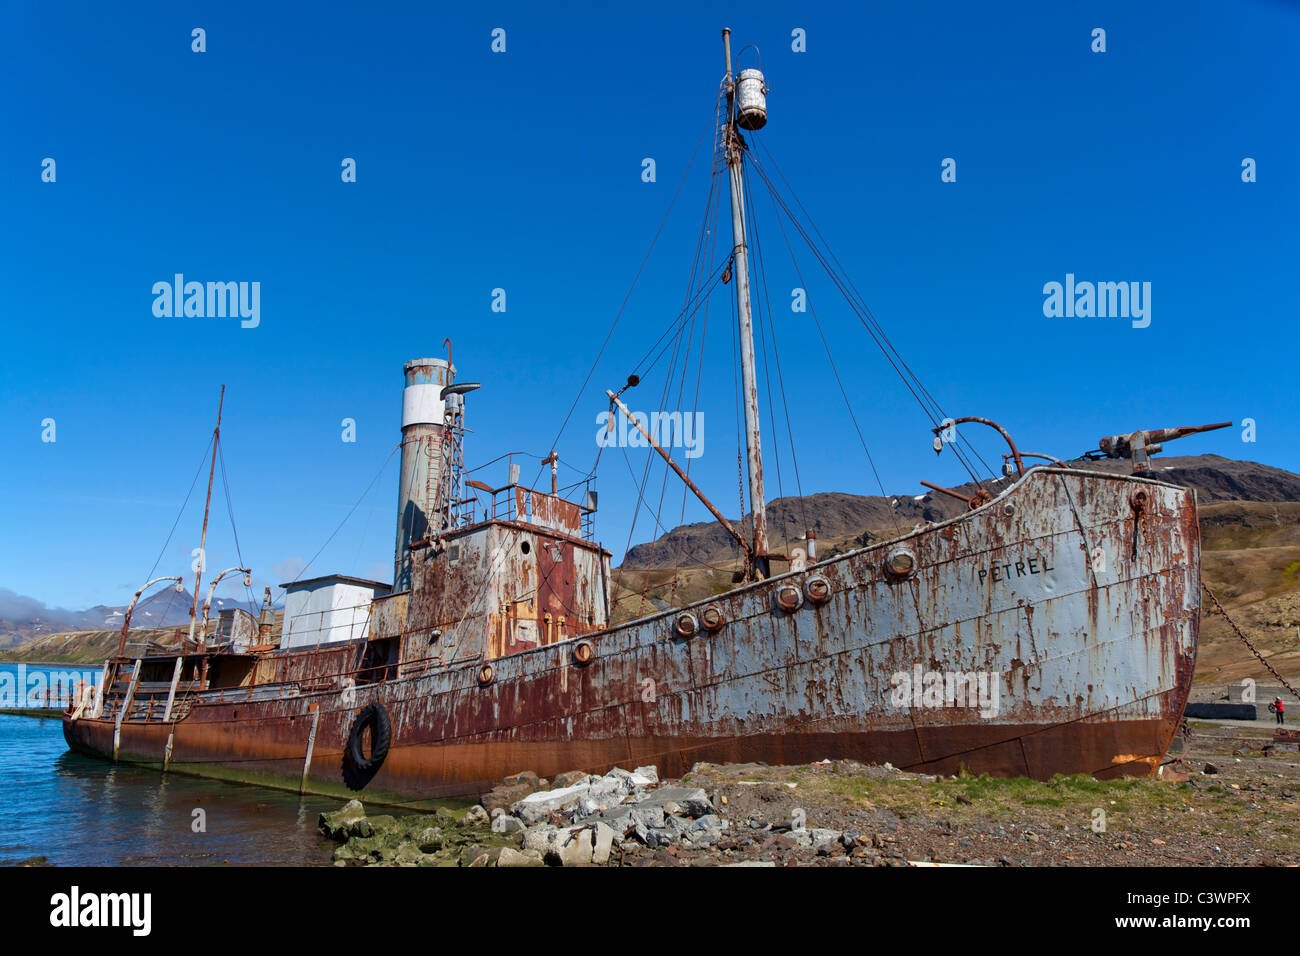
x=818 y=588
x=900 y=562
x=788 y=598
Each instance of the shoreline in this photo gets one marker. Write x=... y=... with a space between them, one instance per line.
x=38 y=713
x=5 y=659
x=1230 y=804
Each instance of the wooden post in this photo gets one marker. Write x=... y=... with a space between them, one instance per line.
x=311 y=743
x=171 y=694
x=98 y=709
x=125 y=706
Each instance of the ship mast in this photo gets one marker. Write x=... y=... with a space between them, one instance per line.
x=203 y=538
x=735 y=148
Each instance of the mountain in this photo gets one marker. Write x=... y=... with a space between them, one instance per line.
x=92 y=647
x=23 y=619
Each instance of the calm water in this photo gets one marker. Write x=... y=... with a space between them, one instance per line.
x=79 y=810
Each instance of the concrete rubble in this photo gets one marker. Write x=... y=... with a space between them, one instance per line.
x=579 y=819
x=584 y=821
x=843 y=813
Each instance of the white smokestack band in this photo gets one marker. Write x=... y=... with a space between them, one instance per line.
x=422 y=404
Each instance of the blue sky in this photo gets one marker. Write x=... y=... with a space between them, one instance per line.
x=522 y=170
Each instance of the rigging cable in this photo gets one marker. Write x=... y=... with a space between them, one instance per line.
x=836 y=372
x=354 y=507
x=695 y=405
x=577 y=398
x=757 y=309
x=687 y=311
x=230 y=511
x=877 y=333
x=701 y=255
x=934 y=410
x=761 y=271
x=170 y=600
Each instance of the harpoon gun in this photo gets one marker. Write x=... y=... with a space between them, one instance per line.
x=1141 y=445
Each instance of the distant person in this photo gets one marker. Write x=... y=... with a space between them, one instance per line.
x=1280 y=709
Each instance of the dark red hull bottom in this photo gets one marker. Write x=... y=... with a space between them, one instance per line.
x=430 y=771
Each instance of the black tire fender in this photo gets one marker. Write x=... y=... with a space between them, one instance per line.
x=374 y=716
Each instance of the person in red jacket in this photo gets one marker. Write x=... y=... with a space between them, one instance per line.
x=1279 y=709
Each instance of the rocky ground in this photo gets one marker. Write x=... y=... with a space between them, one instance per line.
x=1227 y=796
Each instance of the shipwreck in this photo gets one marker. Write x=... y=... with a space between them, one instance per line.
x=1072 y=591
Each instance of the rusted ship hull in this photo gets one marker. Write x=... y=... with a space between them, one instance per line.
x=1077 y=591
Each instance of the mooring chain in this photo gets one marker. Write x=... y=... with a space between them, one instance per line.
x=1245 y=640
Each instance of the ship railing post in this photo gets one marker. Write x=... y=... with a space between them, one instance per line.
x=98 y=708
x=171 y=694
x=84 y=694
x=122 y=712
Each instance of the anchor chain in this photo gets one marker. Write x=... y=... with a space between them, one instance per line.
x=1245 y=640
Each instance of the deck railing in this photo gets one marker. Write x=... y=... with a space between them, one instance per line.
x=356 y=626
